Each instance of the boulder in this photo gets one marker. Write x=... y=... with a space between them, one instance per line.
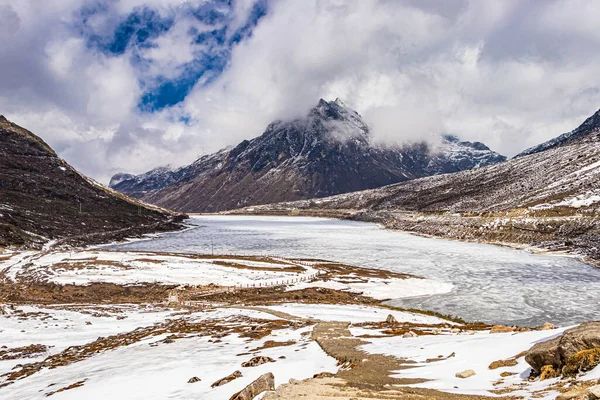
x=548 y=372
x=542 y=354
x=256 y=361
x=465 y=374
x=595 y=391
x=391 y=320
x=227 y=379
x=575 y=394
x=567 y=350
x=583 y=337
x=546 y=326
x=502 y=329
x=409 y=334
x=585 y=360
x=264 y=383
x=194 y=379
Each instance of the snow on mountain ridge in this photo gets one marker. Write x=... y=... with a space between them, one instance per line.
x=329 y=151
x=589 y=126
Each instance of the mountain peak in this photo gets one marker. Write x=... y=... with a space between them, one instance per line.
x=336 y=104
x=339 y=102
x=336 y=110
x=591 y=123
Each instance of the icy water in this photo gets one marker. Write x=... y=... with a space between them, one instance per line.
x=491 y=283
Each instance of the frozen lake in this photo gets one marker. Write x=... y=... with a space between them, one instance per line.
x=491 y=283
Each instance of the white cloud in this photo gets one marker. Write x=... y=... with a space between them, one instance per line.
x=508 y=73
x=409 y=72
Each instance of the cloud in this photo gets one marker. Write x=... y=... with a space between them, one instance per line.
x=409 y=71
x=132 y=84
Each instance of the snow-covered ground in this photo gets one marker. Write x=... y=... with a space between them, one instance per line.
x=61 y=327
x=471 y=351
x=126 y=268
x=155 y=368
x=152 y=368
x=353 y=313
x=582 y=200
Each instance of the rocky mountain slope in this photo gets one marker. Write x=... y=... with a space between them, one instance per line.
x=576 y=135
x=42 y=198
x=330 y=151
x=549 y=198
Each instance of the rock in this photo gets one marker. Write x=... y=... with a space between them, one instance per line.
x=465 y=374
x=409 y=334
x=575 y=394
x=585 y=360
x=583 y=337
x=194 y=379
x=391 y=320
x=595 y=391
x=546 y=326
x=264 y=383
x=542 y=354
x=227 y=379
x=293 y=381
x=503 y=363
x=548 y=372
x=256 y=361
x=323 y=375
x=560 y=351
x=502 y=329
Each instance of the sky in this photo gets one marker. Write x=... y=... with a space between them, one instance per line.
x=128 y=85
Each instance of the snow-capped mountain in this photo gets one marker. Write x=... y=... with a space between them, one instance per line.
x=329 y=151
x=461 y=155
x=138 y=185
x=590 y=127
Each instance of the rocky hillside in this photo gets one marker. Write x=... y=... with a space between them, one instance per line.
x=42 y=199
x=580 y=134
x=139 y=185
x=549 y=198
x=330 y=151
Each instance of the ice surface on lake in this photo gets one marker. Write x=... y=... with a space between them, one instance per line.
x=491 y=283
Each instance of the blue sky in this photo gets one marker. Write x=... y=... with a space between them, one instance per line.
x=141 y=27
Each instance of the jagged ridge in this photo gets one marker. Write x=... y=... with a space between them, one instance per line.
x=587 y=128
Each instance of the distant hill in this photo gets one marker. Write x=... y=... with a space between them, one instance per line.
x=329 y=151
x=43 y=199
